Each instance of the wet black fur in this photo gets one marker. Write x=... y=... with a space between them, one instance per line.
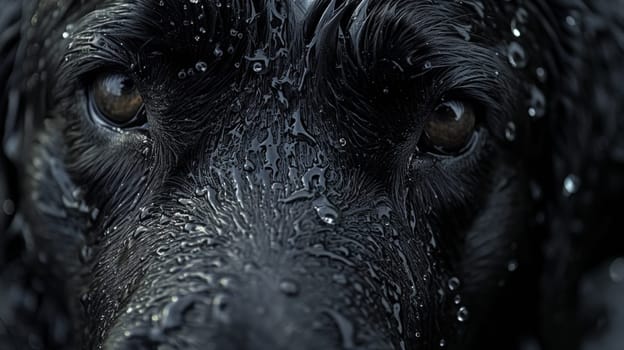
x=102 y=220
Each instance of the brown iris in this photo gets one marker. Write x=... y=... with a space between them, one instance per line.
x=116 y=98
x=451 y=126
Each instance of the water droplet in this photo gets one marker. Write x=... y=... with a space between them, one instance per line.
x=218 y=52
x=537 y=107
x=510 y=131
x=258 y=67
x=571 y=185
x=457 y=299
x=8 y=207
x=326 y=211
x=462 y=314
x=194 y=1
x=259 y=61
x=570 y=20
x=427 y=65
x=616 y=270
x=182 y=74
x=249 y=165
x=516 y=55
x=453 y=283
x=201 y=66
x=442 y=343
x=540 y=72
x=517 y=22
x=512 y=266
x=65 y=35
x=289 y=288
x=343 y=142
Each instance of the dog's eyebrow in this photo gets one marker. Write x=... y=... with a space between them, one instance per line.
x=123 y=33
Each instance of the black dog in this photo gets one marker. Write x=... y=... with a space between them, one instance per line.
x=248 y=174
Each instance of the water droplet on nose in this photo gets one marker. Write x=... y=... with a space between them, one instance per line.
x=453 y=283
x=249 y=165
x=185 y=201
x=289 y=288
x=195 y=228
x=510 y=131
x=462 y=314
x=326 y=211
x=259 y=61
x=571 y=185
x=516 y=55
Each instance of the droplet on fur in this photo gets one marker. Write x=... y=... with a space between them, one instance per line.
x=510 y=131
x=571 y=185
x=453 y=283
x=326 y=211
x=537 y=107
x=616 y=270
x=512 y=266
x=516 y=23
x=218 y=52
x=201 y=66
x=516 y=55
x=462 y=314
x=258 y=67
x=540 y=72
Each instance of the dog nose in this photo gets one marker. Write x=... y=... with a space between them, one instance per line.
x=223 y=323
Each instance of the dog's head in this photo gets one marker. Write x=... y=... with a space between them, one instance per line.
x=275 y=174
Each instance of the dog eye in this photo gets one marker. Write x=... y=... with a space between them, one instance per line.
x=115 y=99
x=450 y=128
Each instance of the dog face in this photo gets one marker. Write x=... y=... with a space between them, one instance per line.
x=279 y=174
